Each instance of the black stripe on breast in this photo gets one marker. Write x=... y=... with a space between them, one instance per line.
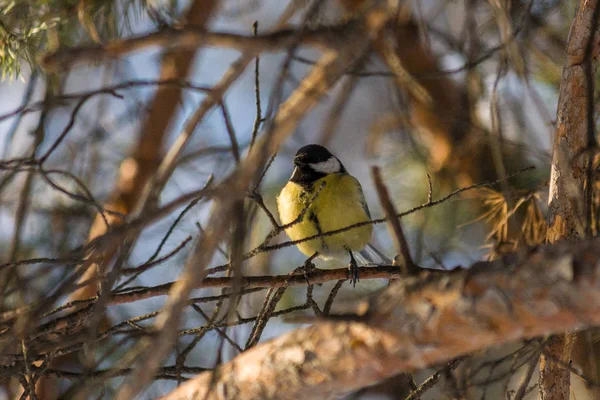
x=313 y=218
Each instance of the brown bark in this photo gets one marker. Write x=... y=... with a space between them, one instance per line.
x=555 y=381
x=570 y=154
x=415 y=323
x=568 y=197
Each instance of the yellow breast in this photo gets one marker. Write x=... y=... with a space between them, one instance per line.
x=338 y=205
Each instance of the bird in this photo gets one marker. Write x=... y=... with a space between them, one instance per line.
x=321 y=196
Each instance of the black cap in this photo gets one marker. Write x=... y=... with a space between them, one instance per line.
x=311 y=154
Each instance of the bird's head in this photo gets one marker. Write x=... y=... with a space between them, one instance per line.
x=314 y=161
x=317 y=158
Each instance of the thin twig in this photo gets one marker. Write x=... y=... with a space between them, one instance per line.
x=332 y=295
x=520 y=394
x=235 y=147
x=429 y=189
x=132 y=84
x=266 y=281
x=394 y=223
x=433 y=379
x=258 y=118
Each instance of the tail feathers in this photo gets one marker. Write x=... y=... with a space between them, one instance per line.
x=371 y=255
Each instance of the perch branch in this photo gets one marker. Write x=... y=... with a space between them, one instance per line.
x=415 y=323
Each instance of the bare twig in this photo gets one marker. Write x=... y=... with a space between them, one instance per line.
x=267 y=281
x=394 y=223
x=531 y=366
x=433 y=379
x=331 y=298
x=258 y=118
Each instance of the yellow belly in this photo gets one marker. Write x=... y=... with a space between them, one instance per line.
x=337 y=206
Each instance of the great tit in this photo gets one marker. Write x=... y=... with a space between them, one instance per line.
x=327 y=198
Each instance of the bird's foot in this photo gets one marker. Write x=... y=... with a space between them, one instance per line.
x=353 y=271
x=309 y=267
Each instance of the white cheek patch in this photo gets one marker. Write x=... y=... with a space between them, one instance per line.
x=330 y=166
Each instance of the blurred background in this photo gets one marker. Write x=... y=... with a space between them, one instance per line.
x=491 y=68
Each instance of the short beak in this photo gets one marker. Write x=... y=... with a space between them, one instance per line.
x=299 y=163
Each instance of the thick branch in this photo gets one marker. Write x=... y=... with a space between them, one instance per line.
x=414 y=324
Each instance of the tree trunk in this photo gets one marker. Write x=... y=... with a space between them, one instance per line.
x=568 y=202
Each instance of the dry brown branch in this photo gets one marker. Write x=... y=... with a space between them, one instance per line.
x=413 y=324
x=574 y=143
x=64 y=99
x=524 y=386
x=432 y=380
x=192 y=37
x=267 y=281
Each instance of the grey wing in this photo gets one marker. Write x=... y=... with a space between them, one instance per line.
x=371 y=255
